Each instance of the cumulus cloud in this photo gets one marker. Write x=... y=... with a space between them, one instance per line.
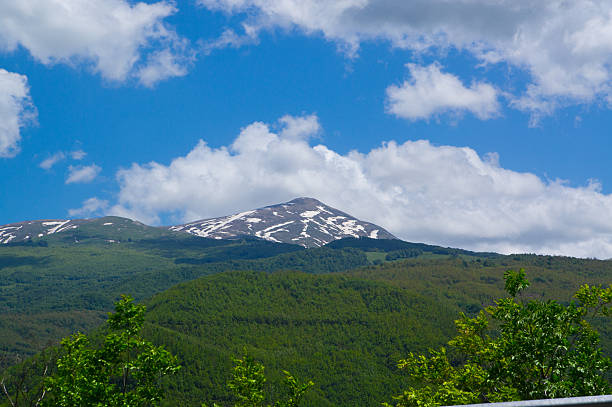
x=299 y=127
x=437 y=194
x=565 y=46
x=431 y=92
x=91 y=206
x=117 y=38
x=16 y=111
x=82 y=174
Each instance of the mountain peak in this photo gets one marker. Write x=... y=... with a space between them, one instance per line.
x=304 y=200
x=304 y=221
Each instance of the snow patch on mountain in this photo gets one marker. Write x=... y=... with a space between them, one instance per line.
x=22 y=231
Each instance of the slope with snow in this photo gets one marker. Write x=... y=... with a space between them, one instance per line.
x=109 y=228
x=304 y=221
x=17 y=232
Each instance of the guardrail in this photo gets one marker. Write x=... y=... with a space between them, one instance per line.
x=588 y=401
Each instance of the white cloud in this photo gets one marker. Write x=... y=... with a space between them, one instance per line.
x=78 y=154
x=299 y=127
x=49 y=162
x=430 y=92
x=420 y=192
x=230 y=39
x=565 y=46
x=82 y=174
x=53 y=159
x=16 y=110
x=163 y=65
x=91 y=206
x=113 y=37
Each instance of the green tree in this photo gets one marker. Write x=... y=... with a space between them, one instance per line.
x=248 y=382
x=516 y=350
x=24 y=384
x=124 y=371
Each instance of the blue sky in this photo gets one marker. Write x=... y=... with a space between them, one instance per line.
x=475 y=124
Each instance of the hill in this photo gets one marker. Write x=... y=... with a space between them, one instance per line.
x=53 y=286
x=345 y=330
x=344 y=333
x=356 y=306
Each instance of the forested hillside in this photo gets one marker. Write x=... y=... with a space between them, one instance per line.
x=55 y=286
x=341 y=315
x=344 y=333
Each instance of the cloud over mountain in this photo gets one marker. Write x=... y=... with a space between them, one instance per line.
x=419 y=192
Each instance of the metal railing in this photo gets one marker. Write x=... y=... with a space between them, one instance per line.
x=588 y=401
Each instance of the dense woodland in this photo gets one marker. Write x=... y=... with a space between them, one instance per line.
x=341 y=315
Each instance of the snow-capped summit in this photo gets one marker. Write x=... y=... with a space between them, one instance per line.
x=304 y=221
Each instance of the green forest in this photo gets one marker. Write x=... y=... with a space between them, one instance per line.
x=341 y=315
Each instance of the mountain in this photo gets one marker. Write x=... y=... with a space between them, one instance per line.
x=371 y=302
x=110 y=228
x=303 y=221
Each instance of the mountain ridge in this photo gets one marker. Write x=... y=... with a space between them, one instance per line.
x=302 y=221
x=109 y=228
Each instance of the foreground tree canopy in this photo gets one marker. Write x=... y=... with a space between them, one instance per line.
x=540 y=349
x=124 y=371
x=248 y=386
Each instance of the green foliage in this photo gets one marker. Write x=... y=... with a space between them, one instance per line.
x=399 y=246
x=356 y=323
x=403 y=254
x=542 y=350
x=515 y=281
x=124 y=371
x=470 y=284
x=52 y=288
x=343 y=332
x=24 y=384
x=49 y=292
x=247 y=382
x=248 y=385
